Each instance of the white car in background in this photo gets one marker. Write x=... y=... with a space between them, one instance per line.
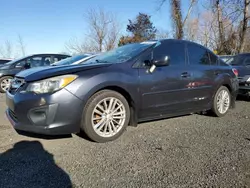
x=75 y=60
x=5 y=60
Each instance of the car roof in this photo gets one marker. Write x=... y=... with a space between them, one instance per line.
x=185 y=41
x=49 y=54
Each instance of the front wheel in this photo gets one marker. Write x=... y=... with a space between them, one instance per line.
x=105 y=116
x=221 y=102
x=5 y=83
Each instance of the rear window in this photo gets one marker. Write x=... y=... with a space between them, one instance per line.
x=198 y=55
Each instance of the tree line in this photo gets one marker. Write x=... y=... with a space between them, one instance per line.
x=221 y=25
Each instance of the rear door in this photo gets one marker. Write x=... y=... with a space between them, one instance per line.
x=165 y=90
x=203 y=75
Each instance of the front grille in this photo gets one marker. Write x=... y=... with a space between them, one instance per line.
x=13 y=115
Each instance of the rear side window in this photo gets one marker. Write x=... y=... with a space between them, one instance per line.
x=197 y=55
x=174 y=49
x=213 y=59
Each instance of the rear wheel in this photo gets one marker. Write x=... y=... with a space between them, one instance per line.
x=221 y=102
x=106 y=116
x=5 y=83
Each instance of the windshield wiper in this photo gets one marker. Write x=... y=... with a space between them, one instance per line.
x=100 y=61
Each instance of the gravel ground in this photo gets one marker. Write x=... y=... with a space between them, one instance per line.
x=189 y=151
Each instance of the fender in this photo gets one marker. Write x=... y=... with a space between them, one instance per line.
x=228 y=81
x=124 y=82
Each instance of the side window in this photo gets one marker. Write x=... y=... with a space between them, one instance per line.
x=175 y=50
x=56 y=59
x=47 y=61
x=144 y=59
x=20 y=64
x=35 y=61
x=59 y=58
x=213 y=59
x=197 y=55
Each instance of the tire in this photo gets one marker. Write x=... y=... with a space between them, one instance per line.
x=227 y=103
x=109 y=128
x=2 y=89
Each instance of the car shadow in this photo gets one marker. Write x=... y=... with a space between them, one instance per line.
x=28 y=164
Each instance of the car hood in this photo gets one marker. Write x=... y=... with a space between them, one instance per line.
x=39 y=73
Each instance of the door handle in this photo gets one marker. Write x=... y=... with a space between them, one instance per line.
x=185 y=75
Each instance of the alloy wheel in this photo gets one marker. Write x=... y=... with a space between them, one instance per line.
x=5 y=84
x=108 y=117
x=223 y=101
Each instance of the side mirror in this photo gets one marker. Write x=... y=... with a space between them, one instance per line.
x=159 y=63
x=19 y=66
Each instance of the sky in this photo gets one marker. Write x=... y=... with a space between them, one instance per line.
x=46 y=25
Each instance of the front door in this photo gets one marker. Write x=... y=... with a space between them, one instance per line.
x=165 y=90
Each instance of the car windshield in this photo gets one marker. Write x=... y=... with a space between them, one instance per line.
x=121 y=54
x=70 y=60
x=84 y=60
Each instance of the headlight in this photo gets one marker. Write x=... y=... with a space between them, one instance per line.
x=51 y=84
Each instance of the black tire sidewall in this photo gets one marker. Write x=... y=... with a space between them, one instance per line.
x=1 y=79
x=214 y=109
x=86 y=124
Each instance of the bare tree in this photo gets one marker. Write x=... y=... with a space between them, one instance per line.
x=191 y=29
x=21 y=45
x=177 y=18
x=76 y=46
x=161 y=34
x=103 y=29
x=220 y=26
x=176 y=14
x=6 y=49
x=113 y=34
x=103 y=33
x=244 y=26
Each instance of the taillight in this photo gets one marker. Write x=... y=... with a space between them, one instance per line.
x=235 y=71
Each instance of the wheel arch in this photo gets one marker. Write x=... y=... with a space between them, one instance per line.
x=133 y=115
x=225 y=80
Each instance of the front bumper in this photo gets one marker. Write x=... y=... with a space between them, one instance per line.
x=244 y=89
x=50 y=114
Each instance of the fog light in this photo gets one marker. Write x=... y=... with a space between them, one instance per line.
x=38 y=117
